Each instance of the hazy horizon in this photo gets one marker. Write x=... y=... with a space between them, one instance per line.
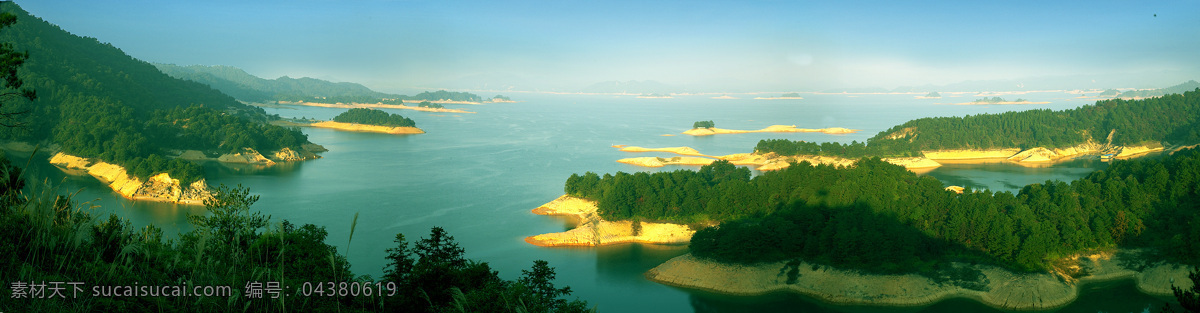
x=694 y=46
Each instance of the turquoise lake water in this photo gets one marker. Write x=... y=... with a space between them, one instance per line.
x=479 y=175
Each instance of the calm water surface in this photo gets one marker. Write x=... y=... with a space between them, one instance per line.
x=479 y=175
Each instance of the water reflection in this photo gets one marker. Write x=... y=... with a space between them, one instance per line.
x=99 y=200
x=626 y=263
x=1111 y=297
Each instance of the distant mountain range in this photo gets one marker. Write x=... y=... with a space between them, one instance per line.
x=246 y=87
x=1177 y=89
x=632 y=87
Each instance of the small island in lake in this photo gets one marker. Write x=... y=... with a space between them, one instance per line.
x=931 y=95
x=999 y=100
x=655 y=96
x=501 y=99
x=786 y=96
x=427 y=104
x=371 y=120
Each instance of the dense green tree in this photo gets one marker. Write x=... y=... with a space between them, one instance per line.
x=54 y=240
x=823 y=213
x=13 y=86
x=373 y=117
x=97 y=102
x=1172 y=118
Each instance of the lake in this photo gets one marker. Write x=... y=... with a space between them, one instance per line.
x=479 y=175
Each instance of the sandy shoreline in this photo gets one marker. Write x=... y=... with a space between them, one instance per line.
x=1038 y=156
x=368 y=128
x=761 y=162
x=769 y=129
x=385 y=106
x=160 y=187
x=997 y=288
x=594 y=231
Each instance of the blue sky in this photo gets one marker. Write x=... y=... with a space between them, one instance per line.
x=706 y=45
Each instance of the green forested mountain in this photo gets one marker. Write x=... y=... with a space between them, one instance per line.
x=1173 y=118
x=243 y=86
x=98 y=102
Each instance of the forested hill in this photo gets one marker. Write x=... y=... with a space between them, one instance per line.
x=243 y=86
x=1172 y=119
x=877 y=216
x=98 y=102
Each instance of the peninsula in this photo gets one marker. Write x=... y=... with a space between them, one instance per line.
x=592 y=230
x=995 y=287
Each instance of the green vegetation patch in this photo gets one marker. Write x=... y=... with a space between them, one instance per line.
x=373 y=117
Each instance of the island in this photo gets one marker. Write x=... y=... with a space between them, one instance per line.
x=707 y=131
x=786 y=96
x=655 y=96
x=998 y=100
x=431 y=105
x=371 y=120
x=502 y=99
x=931 y=95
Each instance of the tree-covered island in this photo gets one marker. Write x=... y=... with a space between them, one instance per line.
x=373 y=117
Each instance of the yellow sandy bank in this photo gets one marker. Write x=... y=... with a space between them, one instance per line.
x=770 y=129
x=385 y=106
x=675 y=150
x=160 y=187
x=252 y=157
x=1133 y=151
x=368 y=128
x=969 y=154
x=999 y=288
x=594 y=231
x=761 y=162
x=660 y=162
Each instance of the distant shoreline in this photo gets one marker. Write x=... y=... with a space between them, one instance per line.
x=384 y=106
